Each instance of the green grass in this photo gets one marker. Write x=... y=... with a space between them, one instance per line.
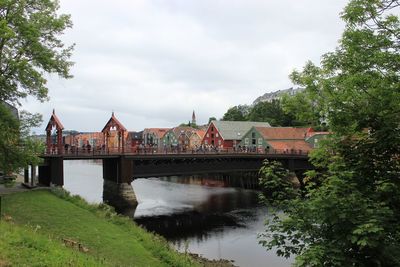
x=21 y=246
x=112 y=240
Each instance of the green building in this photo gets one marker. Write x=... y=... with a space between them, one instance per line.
x=277 y=139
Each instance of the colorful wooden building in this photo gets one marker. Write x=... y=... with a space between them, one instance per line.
x=153 y=136
x=94 y=139
x=196 y=138
x=278 y=139
x=178 y=137
x=134 y=140
x=228 y=134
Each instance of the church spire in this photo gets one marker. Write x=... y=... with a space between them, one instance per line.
x=193 y=118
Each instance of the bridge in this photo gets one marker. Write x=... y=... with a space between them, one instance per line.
x=124 y=167
x=121 y=167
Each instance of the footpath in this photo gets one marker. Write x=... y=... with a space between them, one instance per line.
x=11 y=187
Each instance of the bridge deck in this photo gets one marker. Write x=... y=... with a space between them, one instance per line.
x=148 y=156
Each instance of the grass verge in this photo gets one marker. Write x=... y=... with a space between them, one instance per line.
x=39 y=221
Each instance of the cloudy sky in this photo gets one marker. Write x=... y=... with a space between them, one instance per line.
x=154 y=62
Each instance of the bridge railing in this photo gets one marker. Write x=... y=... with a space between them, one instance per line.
x=98 y=151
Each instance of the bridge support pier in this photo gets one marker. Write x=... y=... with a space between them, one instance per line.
x=26 y=175
x=117 y=188
x=52 y=172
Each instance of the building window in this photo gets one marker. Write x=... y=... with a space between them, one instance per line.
x=253 y=141
x=208 y=135
x=253 y=135
x=212 y=129
x=212 y=135
x=259 y=141
x=246 y=141
x=216 y=135
x=219 y=141
x=206 y=142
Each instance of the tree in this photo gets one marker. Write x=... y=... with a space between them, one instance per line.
x=275 y=183
x=350 y=217
x=29 y=48
x=211 y=119
x=236 y=113
x=303 y=109
x=18 y=150
x=271 y=112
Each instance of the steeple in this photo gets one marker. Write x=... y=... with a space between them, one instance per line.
x=193 y=118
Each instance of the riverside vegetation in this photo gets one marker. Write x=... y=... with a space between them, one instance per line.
x=53 y=228
x=348 y=212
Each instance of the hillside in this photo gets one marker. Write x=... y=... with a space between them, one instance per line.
x=43 y=228
x=275 y=95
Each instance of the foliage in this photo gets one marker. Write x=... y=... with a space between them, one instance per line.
x=29 y=48
x=272 y=112
x=350 y=214
x=236 y=113
x=112 y=239
x=17 y=149
x=189 y=124
x=211 y=119
x=275 y=182
x=304 y=110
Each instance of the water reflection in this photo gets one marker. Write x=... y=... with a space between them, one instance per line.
x=202 y=214
x=179 y=211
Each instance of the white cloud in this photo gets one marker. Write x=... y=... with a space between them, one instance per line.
x=153 y=62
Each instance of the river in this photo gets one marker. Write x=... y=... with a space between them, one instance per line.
x=198 y=214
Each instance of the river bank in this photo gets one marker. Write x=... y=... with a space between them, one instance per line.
x=52 y=228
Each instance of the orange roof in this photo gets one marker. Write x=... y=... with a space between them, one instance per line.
x=113 y=122
x=54 y=121
x=200 y=133
x=288 y=145
x=282 y=133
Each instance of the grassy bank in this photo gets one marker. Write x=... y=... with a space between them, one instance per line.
x=46 y=228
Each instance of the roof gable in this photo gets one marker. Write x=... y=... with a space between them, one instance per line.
x=54 y=122
x=186 y=130
x=199 y=133
x=113 y=122
x=235 y=130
